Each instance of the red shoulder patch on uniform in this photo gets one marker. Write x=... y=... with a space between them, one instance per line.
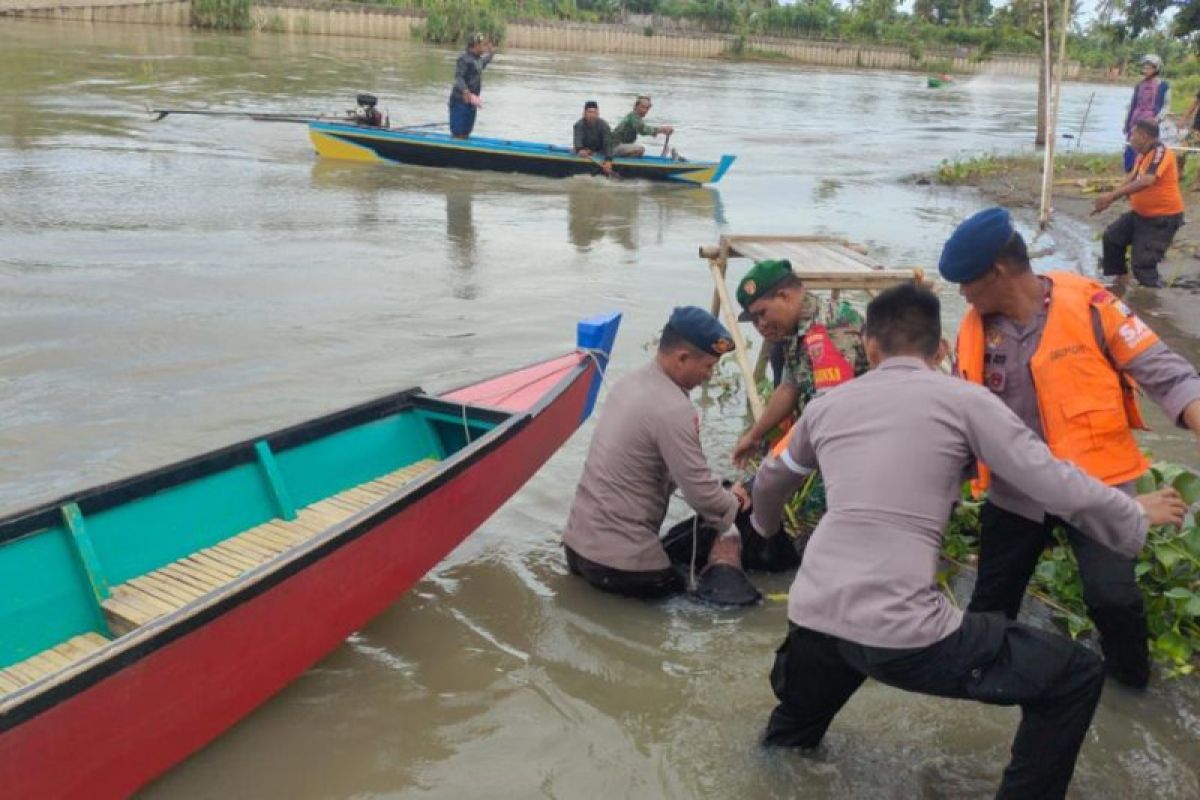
x=1102 y=296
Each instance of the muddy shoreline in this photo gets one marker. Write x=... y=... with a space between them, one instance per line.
x=1015 y=182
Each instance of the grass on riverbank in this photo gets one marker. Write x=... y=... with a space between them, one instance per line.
x=965 y=172
x=224 y=15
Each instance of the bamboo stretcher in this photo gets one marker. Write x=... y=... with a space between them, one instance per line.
x=821 y=262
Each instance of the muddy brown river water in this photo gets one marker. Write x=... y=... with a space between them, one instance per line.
x=168 y=288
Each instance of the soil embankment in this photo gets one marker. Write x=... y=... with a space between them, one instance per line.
x=1016 y=182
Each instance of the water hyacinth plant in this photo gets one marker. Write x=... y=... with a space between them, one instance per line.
x=1168 y=572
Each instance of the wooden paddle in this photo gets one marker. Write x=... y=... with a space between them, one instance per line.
x=666 y=145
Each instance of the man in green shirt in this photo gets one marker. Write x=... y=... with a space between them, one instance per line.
x=634 y=125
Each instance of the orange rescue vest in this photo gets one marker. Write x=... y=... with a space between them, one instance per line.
x=1087 y=407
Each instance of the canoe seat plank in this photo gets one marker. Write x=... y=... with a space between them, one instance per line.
x=145 y=598
x=48 y=661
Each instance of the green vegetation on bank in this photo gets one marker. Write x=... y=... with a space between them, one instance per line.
x=1168 y=572
x=972 y=28
x=226 y=15
x=959 y=172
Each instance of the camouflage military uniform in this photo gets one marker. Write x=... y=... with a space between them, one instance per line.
x=845 y=329
x=844 y=324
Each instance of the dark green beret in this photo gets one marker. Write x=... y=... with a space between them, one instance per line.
x=761 y=279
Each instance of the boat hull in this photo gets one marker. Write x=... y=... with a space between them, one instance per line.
x=355 y=143
x=110 y=728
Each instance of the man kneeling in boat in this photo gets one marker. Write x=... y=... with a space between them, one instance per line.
x=647 y=443
x=593 y=137
x=634 y=125
x=894 y=446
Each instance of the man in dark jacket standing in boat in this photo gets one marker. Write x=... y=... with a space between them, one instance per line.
x=468 y=83
x=1065 y=356
x=894 y=446
x=593 y=137
x=647 y=444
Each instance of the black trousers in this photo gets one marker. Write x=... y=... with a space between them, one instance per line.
x=645 y=585
x=1009 y=548
x=687 y=545
x=1055 y=681
x=1149 y=238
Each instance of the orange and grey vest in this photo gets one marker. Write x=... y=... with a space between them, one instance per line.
x=1087 y=407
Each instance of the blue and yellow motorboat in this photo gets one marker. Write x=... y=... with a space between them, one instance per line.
x=355 y=142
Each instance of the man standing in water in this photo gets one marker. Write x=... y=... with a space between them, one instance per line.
x=634 y=125
x=1064 y=355
x=593 y=137
x=894 y=446
x=1148 y=229
x=646 y=444
x=468 y=83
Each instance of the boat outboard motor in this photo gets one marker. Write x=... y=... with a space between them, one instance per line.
x=367 y=113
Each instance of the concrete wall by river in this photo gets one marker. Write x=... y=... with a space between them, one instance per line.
x=352 y=19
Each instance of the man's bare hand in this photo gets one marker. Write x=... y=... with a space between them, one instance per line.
x=743 y=496
x=1164 y=507
x=745 y=447
x=1102 y=202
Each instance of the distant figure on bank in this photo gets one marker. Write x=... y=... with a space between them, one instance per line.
x=894 y=446
x=468 y=83
x=593 y=137
x=634 y=125
x=1151 y=100
x=646 y=445
x=1157 y=210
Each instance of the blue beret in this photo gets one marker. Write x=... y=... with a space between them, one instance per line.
x=701 y=329
x=971 y=250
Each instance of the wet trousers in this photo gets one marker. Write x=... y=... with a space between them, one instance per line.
x=1055 y=681
x=687 y=545
x=1147 y=238
x=1009 y=548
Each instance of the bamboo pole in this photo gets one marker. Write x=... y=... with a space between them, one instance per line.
x=1052 y=100
x=716 y=265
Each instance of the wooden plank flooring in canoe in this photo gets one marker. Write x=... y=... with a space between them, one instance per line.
x=169 y=588
x=46 y=662
x=173 y=586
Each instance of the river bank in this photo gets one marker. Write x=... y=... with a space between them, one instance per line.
x=368 y=20
x=1015 y=182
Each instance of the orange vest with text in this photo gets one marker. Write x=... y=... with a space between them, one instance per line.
x=1087 y=407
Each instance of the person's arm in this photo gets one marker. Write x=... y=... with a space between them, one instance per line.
x=679 y=445
x=1165 y=108
x=606 y=136
x=1167 y=377
x=1132 y=184
x=779 y=478
x=579 y=138
x=1012 y=451
x=782 y=401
